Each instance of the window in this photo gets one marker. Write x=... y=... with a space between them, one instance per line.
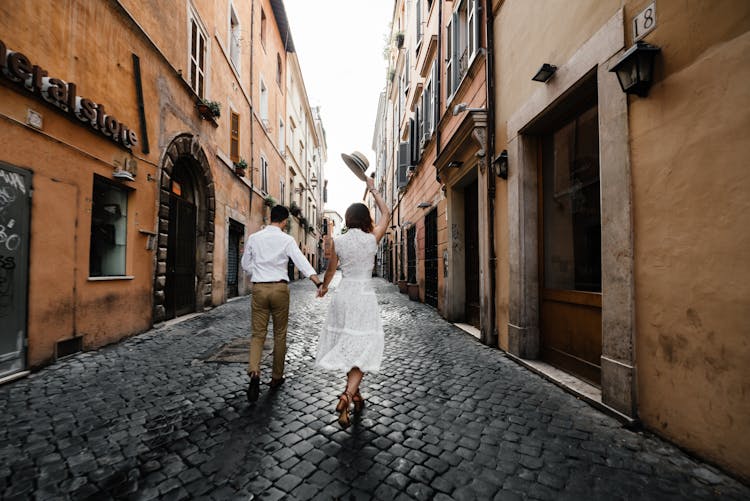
x=109 y=218
x=279 y=71
x=462 y=41
x=263 y=174
x=282 y=192
x=197 y=62
x=234 y=137
x=234 y=38
x=418 y=16
x=264 y=103
x=263 y=27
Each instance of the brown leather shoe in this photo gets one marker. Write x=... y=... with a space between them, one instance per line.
x=275 y=383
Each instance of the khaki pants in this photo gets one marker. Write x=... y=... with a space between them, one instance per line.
x=269 y=299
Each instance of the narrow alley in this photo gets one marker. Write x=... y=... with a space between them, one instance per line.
x=164 y=415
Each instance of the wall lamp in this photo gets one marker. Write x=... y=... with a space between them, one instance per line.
x=455 y=164
x=459 y=108
x=501 y=164
x=545 y=73
x=424 y=205
x=635 y=69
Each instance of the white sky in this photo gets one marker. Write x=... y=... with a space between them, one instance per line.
x=339 y=44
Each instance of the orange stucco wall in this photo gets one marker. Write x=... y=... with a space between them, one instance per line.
x=689 y=148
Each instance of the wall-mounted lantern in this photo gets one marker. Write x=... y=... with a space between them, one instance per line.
x=501 y=164
x=455 y=164
x=635 y=69
x=424 y=205
x=545 y=73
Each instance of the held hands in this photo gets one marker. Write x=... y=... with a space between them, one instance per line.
x=322 y=291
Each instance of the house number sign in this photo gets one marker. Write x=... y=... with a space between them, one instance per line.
x=644 y=22
x=17 y=68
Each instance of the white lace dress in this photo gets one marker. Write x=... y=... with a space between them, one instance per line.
x=352 y=335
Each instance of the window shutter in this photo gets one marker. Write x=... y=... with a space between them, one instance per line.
x=455 y=51
x=449 y=53
x=413 y=144
x=435 y=97
x=404 y=154
x=234 y=141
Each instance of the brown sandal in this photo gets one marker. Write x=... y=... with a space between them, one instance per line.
x=343 y=409
x=359 y=402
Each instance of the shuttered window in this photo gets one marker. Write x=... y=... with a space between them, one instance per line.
x=234 y=141
x=197 y=63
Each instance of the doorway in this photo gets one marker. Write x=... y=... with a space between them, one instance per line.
x=15 y=213
x=180 y=284
x=471 y=245
x=431 y=259
x=236 y=231
x=570 y=245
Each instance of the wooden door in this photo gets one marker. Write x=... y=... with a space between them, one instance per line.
x=233 y=258
x=570 y=246
x=471 y=228
x=180 y=278
x=431 y=259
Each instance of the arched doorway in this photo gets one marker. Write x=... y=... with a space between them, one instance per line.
x=184 y=261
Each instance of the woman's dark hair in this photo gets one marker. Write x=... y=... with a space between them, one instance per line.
x=358 y=216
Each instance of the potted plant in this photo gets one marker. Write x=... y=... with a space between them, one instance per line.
x=413 y=290
x=294 y=208
x=240 y=167
x=209 y=110
x=402 y=284
x=399 y=39
x=269 y=201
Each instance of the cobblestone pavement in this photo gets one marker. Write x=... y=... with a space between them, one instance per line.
x=448 y=418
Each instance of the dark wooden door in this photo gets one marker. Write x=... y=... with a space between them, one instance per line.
x=431 y=259
x=180 y=284
x=471 y=228
x=570 y=247
x=411 y=255
x=233 y=258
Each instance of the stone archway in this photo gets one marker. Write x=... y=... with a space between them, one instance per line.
x=186 y=153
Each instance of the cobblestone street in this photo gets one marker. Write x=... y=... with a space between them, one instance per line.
x=164 y=415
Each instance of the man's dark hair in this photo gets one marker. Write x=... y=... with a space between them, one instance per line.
x=279 y=213
x=358 y=216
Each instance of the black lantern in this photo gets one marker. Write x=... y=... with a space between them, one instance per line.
x=635 y=70
x=501 y=165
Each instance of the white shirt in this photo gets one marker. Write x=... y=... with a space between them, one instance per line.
x=267 y=253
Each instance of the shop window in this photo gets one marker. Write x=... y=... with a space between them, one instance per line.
x=109 y=217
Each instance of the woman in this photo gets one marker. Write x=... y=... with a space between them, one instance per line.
x=352 y=336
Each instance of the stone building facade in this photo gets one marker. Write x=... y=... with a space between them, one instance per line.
x=146 y=154
x=610 y=224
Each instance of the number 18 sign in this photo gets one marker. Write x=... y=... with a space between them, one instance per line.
x=644 y=22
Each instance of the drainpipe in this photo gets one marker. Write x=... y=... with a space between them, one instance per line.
x=490 y=69
x=252 y=111
x=439 y=85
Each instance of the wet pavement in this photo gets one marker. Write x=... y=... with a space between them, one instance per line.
x=164 y=415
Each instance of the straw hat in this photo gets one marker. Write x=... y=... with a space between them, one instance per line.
x=358 y=164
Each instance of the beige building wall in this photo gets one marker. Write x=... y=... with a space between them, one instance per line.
x=691 y=194
x=686 y=150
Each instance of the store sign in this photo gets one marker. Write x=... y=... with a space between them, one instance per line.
x=17 y=68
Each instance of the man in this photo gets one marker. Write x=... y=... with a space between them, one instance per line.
x=267 y=253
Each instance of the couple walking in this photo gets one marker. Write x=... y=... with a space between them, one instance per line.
x=352 y=337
